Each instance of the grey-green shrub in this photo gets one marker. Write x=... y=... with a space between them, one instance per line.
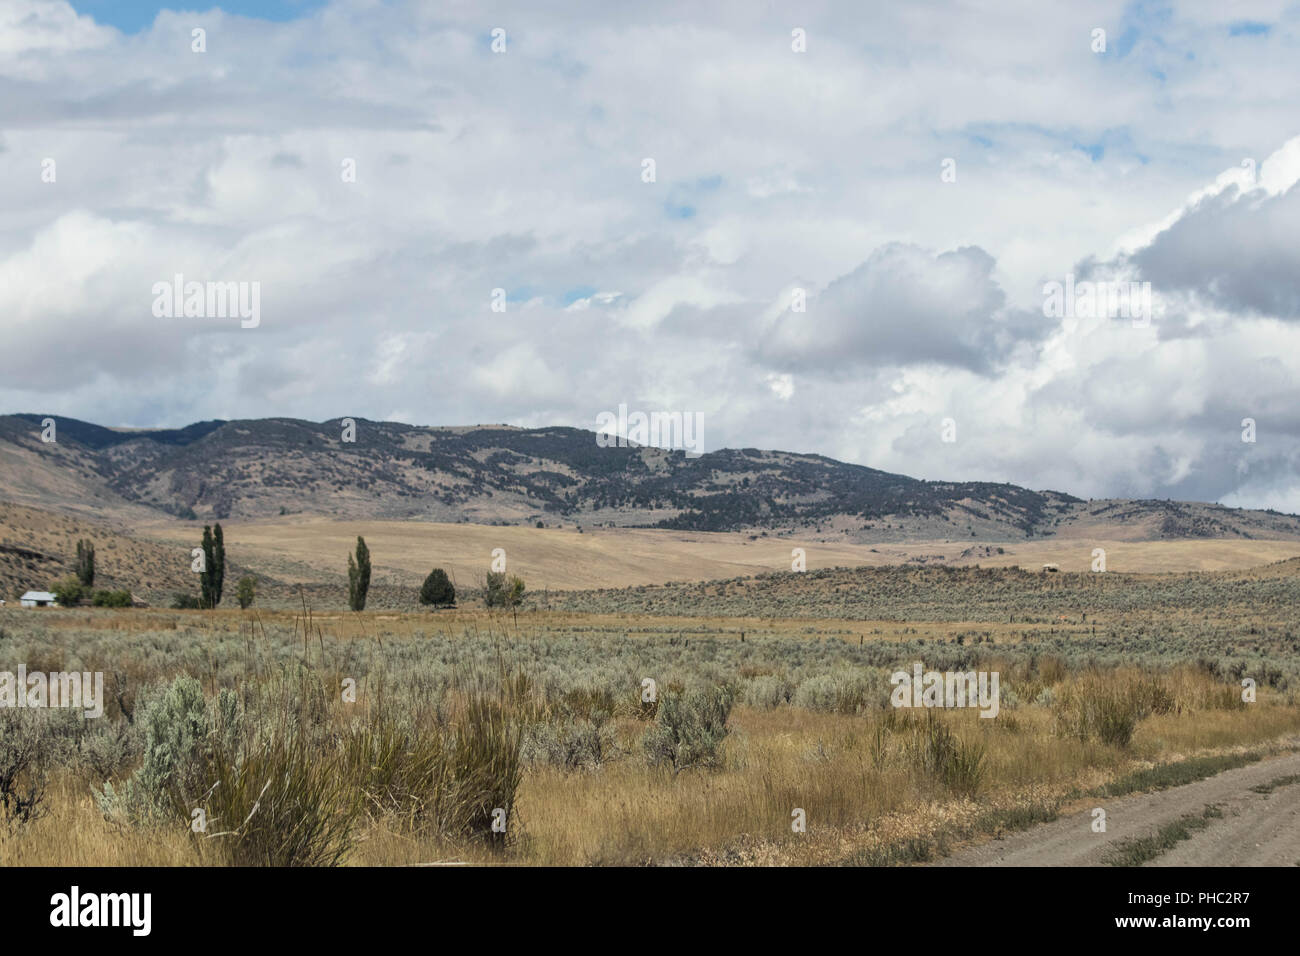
x=109 y=749
x=571 y=744
x=178 y=727
x=840 y=692
x=766 y=691
x=690 y=727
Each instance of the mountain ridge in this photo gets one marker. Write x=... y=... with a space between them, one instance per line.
x=497 y=474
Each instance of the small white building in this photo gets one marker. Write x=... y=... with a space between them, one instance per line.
x=37 y=599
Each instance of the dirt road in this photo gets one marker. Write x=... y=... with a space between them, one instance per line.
x=1231 y=825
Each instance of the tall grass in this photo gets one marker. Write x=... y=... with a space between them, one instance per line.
x=283 y=802
x=945 y=760
x=1108 y=704
x=22 y=771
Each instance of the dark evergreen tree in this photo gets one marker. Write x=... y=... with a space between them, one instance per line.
x=437 y=589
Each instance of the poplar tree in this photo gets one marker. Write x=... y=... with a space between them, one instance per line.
x=209 y=564
x=359 y=576
x=86 y=563
x=218 y=564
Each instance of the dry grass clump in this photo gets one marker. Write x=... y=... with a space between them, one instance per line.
x=944 y=759
x=1107 y=705
x=22 y=769
x=282 y=802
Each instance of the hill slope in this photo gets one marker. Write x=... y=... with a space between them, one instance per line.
x=263 y=468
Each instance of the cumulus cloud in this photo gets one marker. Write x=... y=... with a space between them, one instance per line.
x=904 y=306
x=1238 y=251
x=775 y=171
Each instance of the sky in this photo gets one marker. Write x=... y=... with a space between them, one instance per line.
x=847 y=246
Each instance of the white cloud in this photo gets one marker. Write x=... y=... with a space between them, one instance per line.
x=782 y=386
x=775 y=170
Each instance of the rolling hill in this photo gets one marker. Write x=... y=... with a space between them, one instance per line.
x=496 y=474
x=293 y=496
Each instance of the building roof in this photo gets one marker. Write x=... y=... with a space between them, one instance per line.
x=37 y=596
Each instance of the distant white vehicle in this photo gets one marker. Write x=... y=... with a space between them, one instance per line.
x=1050 y=567
x=37 y=599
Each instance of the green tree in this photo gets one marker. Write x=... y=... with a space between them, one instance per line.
x=359 y=576
x=437 y=589
x=68 y=591
x=112 y=599
x=86 y=563
x=502 y=591
x=246 y=591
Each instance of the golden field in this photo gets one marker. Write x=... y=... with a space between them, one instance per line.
x=807 y=727
x=305 y=550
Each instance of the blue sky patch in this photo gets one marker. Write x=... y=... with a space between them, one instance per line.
x=1095 y=151
x=1248 y=28
x=132 y=16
